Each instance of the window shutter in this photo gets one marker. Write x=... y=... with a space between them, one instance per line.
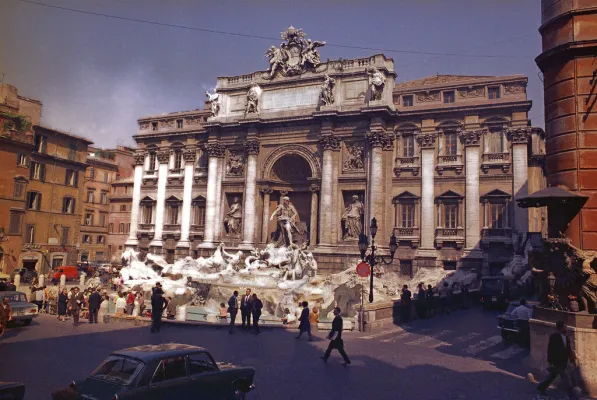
x=42 y=172
x=32 y=171
x=38 y=203
x=76 y=178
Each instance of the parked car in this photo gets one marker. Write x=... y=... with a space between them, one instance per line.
x=22 y=310
x=6 y=286
x=27 y=275
x=171 y=370
x=12 y=391
x=71 y=273
x=512 y=329
x=498 y=291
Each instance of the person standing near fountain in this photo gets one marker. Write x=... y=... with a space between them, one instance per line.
x=305 y=325
x=233 y=309
x=158 y=305
x=256 y=306
x=246 y=307
x=335 y=337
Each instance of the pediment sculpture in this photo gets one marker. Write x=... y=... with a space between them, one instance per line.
x=294 y=57
x=213 y=100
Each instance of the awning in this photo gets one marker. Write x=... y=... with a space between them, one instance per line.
x=553 y=196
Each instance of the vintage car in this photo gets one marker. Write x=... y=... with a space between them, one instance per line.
x=12 y=391
x=498 y=291
x=513 y=329
x=165 y=371
x=22 y=310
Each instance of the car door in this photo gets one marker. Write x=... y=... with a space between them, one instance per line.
x=206 y=378
x=170 y=380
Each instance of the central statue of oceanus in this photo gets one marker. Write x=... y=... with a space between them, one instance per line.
x=289 y=231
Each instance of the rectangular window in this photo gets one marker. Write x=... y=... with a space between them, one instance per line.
x=57 y=262
x=449 y=97
x=68 y=205
x=406 y=268
x=408 y=146
x=408 y=215
x=104 y=198
x=450 y=144
x=88 y=219
x=451 y=215
x=179 y=123
x=173 y=214
x=199 y=215
x=498 y=212
x=19 y=190
x=102 y=220
x=90 y=196
x=449 y=265
x=87 y=239
x=101 y=239
x=22 y=160
x=30 y=234
x=152 y=161
x=14 y=225
x=106 y=177
x=64 y=237
x=154 y=126
x=407 y=101
x=147 y=214
x=72 y=152
x=128 y=228
x=38 y=171
x=123 y=208
x=33 y=200
x=71 y=178
x=177 y=159
x=40 y=143
x=111 y=229
x=121 y=227
x=494 y=93
x=495 y=141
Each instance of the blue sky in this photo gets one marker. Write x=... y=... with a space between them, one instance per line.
x=97 y=75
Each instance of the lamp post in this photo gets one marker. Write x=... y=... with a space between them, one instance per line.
x=372 y=259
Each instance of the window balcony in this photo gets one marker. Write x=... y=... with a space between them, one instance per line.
x=197 y=230
x=172 y=227
x=407 y=164
x=146 y=227
x=411 y=235
x=495 y=160
x=450 y=162
x=176 y=171
x=455 y=235
x=496 y=235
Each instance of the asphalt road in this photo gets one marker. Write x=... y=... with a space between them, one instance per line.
x=457 y=356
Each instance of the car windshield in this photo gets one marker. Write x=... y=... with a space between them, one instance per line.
x=118 y=370
x=14 y=297
x=492 y=285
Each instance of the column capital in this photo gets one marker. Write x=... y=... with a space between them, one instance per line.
x=189 y=154
x=520 y=135
x=266 y=190
x=252 y=146
x=215 y=150
x=471 y=138
x=163 y=156
x=314 y=188
x=380 y=139
x=426 y=140
x=329 y=142
x=139 y=157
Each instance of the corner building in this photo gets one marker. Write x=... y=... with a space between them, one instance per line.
x=438 y=162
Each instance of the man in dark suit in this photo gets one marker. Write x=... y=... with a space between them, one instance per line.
x=233 y=309
x=335 y=337
x=246 y=307
x=405 y=298
x=304 y=324
x=158 y=305
x=559 y=352
x=75 y=304
x=257 y=306
x=95 y=299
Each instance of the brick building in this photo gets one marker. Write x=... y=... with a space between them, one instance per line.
x=121 y=200
x=569 y=65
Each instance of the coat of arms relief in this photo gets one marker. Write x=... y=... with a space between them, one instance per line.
x=294 y=57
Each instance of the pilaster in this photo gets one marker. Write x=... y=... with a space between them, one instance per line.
x=328 y=144
x=472 y=141
x=190 y=156
x=250 y=208
x=215 y=152
x=139 y=159
x=427 y=249
x=163 y=158
x=520 y=139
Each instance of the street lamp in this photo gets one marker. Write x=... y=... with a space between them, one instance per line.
x=371 y=258
x=551 y=280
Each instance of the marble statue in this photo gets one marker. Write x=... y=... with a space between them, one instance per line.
x=588 y=290
x=310 y=55
x=234 y=165
x=213 y=99
x=377 y=82
x=233 y=219
x=355 y=158
x=286 y=216
x=253 y=99
x=352 y=219
x=327 y=91
x=276 y=60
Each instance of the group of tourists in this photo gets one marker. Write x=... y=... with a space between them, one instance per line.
x=74 y=302
x=426 y=303
x=250 y=306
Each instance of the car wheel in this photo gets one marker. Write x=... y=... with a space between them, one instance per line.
x=27 y=322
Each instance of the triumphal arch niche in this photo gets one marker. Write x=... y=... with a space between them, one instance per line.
x=308 y=151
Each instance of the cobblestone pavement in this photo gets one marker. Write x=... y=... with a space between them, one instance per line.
x=460 y=356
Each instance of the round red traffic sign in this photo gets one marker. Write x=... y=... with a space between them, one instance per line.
x=363 y=269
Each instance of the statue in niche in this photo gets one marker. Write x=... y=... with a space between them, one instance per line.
x=327 y=91
x=235 y=165
x=355 y=158
x=377 y=82
x=213 y=99
x=352 y=219
x=286 y=216
x=233 y=219
x=253 y=99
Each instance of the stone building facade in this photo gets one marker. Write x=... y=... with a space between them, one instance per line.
x=438 y=162
x=121 y=201
x=105 y=167
x=569 y=33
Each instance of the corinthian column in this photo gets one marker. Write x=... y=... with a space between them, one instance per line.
x=139 y=157
x=471 y=141
x=328 y=144
x=190 y=155
x=265 y=221
x=427 y=145
x=313 y=223
x=163 y=157
x=378 y=141
x=215 y=151
x=249 y=210
x=520 y=140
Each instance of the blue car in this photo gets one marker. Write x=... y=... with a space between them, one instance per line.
x=165 y=371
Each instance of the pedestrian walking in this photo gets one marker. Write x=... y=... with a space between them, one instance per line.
x=336 y=341
x=158 y=305
x=430 y=300
x=233 y=309
x=257 y=305
x=246 y=308
x=405 y=300
x=559 y=352
x=421 y=301
x=443 y=298
x=62 y=304
x=170 y=309
x=75 y=304
x=130 y=303
x=304 y=324
x=95 y=300
x=40 y=298
x=5 y=313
